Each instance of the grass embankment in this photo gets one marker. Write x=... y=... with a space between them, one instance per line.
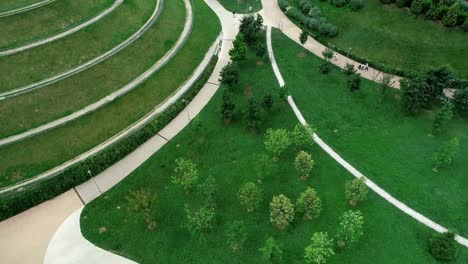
x=59 y=99
x=38 y=154
x=242 y=6
x=229 y=153
x=391 y=35
x=7 y=5
x=50 y=19
x=392 y=149
x=59 y=56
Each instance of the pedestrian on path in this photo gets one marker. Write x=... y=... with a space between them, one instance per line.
x=233 y=14
x=367 y=66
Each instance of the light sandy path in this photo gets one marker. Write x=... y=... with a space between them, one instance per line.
x=381 y=192
x=63 y=34
x=25 y=8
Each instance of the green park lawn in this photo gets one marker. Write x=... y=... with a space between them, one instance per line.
x=392 y=149
x=6 y=5
x=242 y=6
x=71 y=94
x=393 y=36
x=59 y=56
x=32 y=156
x=230 y=154
x=50 y=19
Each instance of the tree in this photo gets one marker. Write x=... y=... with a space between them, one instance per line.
x=354 y=82
x=443 y=246
x=142 y=202
x=230 y=74
x=349 y=69
x=260 y=50
x=250 y=27
x=267 y=102
x=239 y=52
x=444 y=156
x=356 y=190
x=236 y=235
x=271 y=251
x=328 y=54
x=413 y=97
x=276 y=142
x=434 y=12
x=450 y=18
x=325 y=67
x=227 y=107
x=250 y=196
x=186 y=174
x=460 y=101
x=309 y=204
x=283 y=93
x=465 y=25
x=252 y=117
x=442 y=118
x=320 y=249
x=437 y=80
x=199 y=221
x=302 y=136
x=350 y=228
x=304 y=164
x=385 y=84
x=416 y=7
x=303 y=37
x=281 y=211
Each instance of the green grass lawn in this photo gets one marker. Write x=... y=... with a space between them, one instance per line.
x=242 y=6
x=40 y=153
x=228 y=153
x=45 y=61
x=6 y=5
x=59 y=99
x=50 y=19
x=392 y=149
x=391 y=35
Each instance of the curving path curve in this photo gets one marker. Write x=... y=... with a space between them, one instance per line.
x=122 y=91
x=33 y=86
x=63 y=34
x=25 y=8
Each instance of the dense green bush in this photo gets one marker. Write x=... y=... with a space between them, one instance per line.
x=327 y=29
x=356 y=5
x=339 y=3
x=443 y=246
x=283 y=4
x=434 y=12
x=460 y=101
x=313 y=24
x=450 y=19
x=465 y=25
x=305 y=6
x=417 y=7
x=315 y=12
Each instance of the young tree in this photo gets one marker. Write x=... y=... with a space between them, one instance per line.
x=460 y=101
x=267 y=102
x=350 y=228
x=304 y=164
x=200 y=221
x=250 y=27
x=283 y=93
x=302 y=136
x=385 y=84
x=309 y=204
x=349 y=69
x=413 y=97
x=236 y=235
x=252 y=117
x=450 y=18
x=443 y=246
x=356 y=190
x=320 y=249
x=271 y=252
x=186 y=174
x=227 y=107
x=239 y=52
x=260 y=50
x=303 y=37
x=442 y=118
x=328 y=54
x=354 y=82
x=250 y=196
x=230 y=74
x=276 y=142
x=444 y=156
x=281 y=211
x=142 y=202
x=437 y=80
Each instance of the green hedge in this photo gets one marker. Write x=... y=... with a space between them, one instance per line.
x=32 y=195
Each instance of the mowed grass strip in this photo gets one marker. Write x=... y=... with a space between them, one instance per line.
x=242 y=6
x=393 y=36
x=42 y=62
x=32 y=109
x=230 y=153
x=394 y=150
x=50 y=19
x=43 y=152
x=6 y=5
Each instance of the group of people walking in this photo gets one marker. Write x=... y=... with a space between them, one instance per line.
x=363 y=67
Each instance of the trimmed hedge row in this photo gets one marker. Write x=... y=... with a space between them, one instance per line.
x=35 y=194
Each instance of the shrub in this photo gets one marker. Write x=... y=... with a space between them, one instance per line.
x=354 y=82
x=276 y=142
x=320 y=248
x=327 y=29
x=313 y=23
x=442 y=246
x=281 y=211
x=442 y=117
x=450 y=18
x=417 y=7
x=227 y=107
x=239 y=50
x=339 y=3
x=356 y=190
x=267 y=103
x=200 y=221
x=250 y=28
x=236 y=235
x=260 y=50
x=271 y=251
x=356 y=5
x=303 y=37
x=349 y=69
x=315 y=12
x=309 y=204
x=328 y=54
x=350 y=228
x=252 y=116
x=305 y=6
x=186 y=174
x=302 y=136
x=465 y=25
x=250 y=196
x=444 y=156
x=230 y=74
x=325 y=67
x=413 y=97
x=304 y=164
x=437 y=80
x=460 y=101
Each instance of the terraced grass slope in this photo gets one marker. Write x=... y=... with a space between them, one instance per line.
x=32 y=156
x=392 y=149
x=230 y=154
x=48 y=20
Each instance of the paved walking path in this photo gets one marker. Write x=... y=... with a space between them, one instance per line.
x=120 y=92
x=33 y=86
x=63 y=34
x=25 y=8
x=381 y=192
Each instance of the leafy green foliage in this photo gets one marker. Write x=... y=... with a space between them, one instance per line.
x=354 y=82
x=303 y=37
x=356 y=5
x=271 y=252
x=230 y=74
x=302 y=136
x=253 y=119
x=349 y=69
x=199 y=221
x=186 y=174
x=444 y=156
x=239 y=50
x=325 y=67
x=250 y=28
x=250 y=196
x=260 y=50
x=276 y=142
x=267 y=103
x=442 y=246
x=309 y=204
x=413 y=97
x=442 y=118
x=281 y=211
x=320 y=249
x=460 y=101
x=350 y=229
x=356 y=190
x=328 y=54
x=304 y=164
x=227 y=106
x=236 y=235
x=416 y=7
x=450 y=19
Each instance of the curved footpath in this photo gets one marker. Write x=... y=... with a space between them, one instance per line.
x=33 y=86
x=381 y=192
x=63 y=34
x=25 y=8
x=120 y=92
